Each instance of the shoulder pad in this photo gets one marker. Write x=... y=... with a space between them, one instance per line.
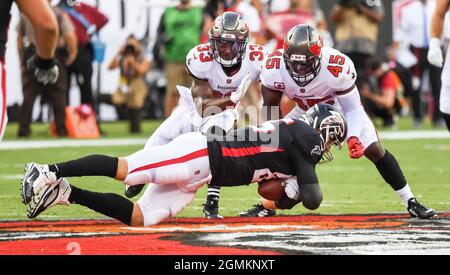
x=340 y=70
x=199 y=60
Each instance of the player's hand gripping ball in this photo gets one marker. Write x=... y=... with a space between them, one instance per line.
x=272 y=189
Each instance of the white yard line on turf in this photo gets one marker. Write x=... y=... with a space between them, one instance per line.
x=15 y=145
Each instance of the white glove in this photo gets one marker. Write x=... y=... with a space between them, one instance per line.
x=435 y=56
x=237 y=95
x=291 y=189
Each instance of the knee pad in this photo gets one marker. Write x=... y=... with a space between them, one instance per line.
x=138 y=178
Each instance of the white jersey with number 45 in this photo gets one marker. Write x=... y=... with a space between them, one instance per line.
x=337 y=75
x=201 y=64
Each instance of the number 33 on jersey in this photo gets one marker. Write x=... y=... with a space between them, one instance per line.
x=201 y=64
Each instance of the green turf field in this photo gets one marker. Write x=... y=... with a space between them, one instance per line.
x=349 y=186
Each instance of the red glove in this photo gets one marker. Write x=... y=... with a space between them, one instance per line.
x=355 y=148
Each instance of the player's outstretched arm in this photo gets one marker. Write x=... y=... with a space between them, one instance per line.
x=45 y=25
x=435 y=55
x=271 y=98
x=203 y=96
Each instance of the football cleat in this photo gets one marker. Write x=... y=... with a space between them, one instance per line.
x=55 y=193
x=418 y=210
x=258 y=210
x=211 y=210
x=35 y=178
x=133 y=191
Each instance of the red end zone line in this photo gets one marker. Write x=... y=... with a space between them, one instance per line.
x=148 y=244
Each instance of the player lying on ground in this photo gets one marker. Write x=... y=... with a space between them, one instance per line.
x=278 y=149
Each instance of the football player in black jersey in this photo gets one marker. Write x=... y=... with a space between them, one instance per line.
x=279 y=149
x=46 y=30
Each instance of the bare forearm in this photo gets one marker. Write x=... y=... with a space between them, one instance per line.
x=221 y=103
x=45 y=26
x=437 y=23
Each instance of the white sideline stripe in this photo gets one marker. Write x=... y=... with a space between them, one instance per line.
x=15 y=145
x=408 y=135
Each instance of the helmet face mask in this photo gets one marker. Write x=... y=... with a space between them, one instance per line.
x=302 y=53
x=331 y=126
x=228 y=52
x=303 y=72
x=228 y=37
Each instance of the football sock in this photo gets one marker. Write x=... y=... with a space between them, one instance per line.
x=109 y=204
x=405 y=194
x=92 y=165
x=391 y=172
x=213 y=193
x=446 y=117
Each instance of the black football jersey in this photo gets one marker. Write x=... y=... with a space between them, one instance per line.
x=5 y=17
x=276 y=149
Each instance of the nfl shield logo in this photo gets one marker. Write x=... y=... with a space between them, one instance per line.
x=302 y=91
x=279 y=85
x=229 y=81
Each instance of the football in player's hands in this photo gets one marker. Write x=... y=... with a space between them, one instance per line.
x=271 y=189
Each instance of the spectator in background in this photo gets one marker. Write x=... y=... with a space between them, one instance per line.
x=211 y=10
x=178 y=32
x=252 y=16
x=132 y=90
x=414 y=31
x=298 y=12
x=66 y=53
x=383 y=93
x=87 y=20
x=357 y=26
x=43 y=62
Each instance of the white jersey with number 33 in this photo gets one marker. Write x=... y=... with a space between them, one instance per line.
x=337 y=74
x=201 y=64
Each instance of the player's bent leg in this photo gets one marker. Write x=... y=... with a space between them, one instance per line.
x=177 y=123
x=311 y=196
x=183 y=161
x=391 y=172
x=161 y=202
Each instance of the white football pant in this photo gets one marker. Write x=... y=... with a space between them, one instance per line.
x=177 y=170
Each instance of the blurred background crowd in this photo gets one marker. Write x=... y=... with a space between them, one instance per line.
x=122 y=59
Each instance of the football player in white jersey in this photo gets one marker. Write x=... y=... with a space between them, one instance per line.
x=217 y=69
x=435 y=55
x=309 y=73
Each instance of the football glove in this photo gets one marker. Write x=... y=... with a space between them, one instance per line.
x=291 y=188
x=355 y=148
x=46 y=71
x=435 y=56
x=237 y=95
